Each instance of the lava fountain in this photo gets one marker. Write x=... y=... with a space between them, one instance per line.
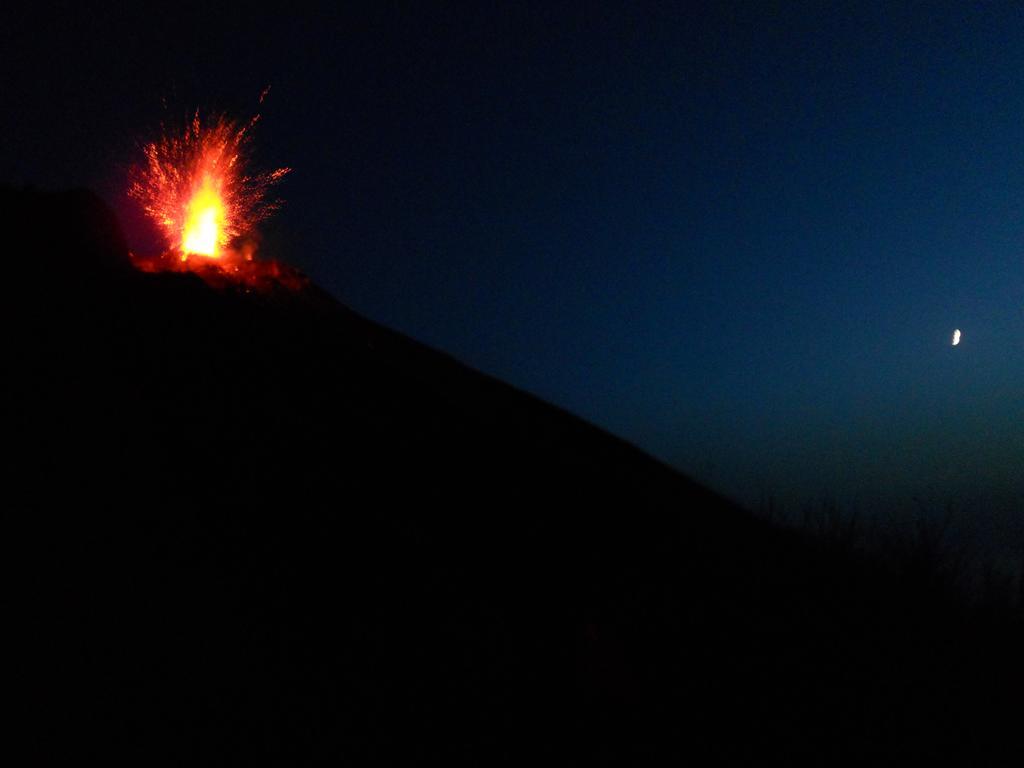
x=195 y=187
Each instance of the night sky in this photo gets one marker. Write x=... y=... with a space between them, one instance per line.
x=737 y=235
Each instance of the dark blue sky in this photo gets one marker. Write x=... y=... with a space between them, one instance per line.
x=738 y=235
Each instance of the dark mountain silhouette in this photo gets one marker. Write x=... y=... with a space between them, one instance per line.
x=247 y=524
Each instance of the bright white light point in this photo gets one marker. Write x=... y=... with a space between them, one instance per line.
x=956 y=337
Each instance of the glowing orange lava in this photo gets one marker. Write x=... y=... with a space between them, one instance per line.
x=195 y=188
x=204 y=221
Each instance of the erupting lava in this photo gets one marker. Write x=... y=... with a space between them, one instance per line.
x=195 y=188
x=204 y=221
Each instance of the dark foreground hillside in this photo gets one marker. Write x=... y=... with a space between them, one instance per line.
x=249 y=525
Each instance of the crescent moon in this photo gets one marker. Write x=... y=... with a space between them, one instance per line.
x=956 y=337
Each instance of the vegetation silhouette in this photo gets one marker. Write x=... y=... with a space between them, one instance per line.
x=249 y=524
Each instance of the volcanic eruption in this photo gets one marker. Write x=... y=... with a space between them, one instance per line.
x=256 y=527
x=196 y=187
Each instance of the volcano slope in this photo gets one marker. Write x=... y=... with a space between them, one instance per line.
x=248 y=524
